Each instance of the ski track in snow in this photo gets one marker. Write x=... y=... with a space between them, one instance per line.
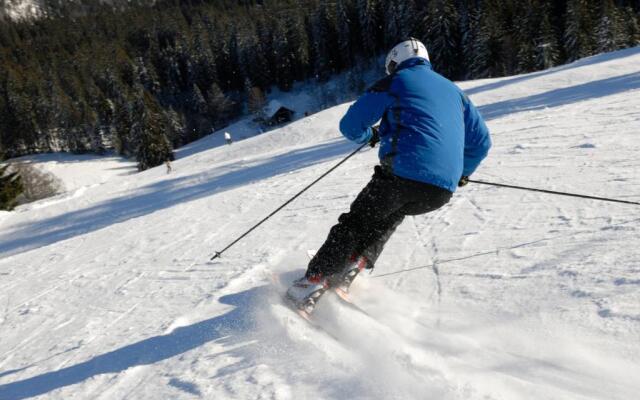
x=106 y=291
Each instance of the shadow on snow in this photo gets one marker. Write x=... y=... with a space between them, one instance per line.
x=160 y=195
x=577 y=64
x=167 y=193
x=148 y=351
x=559 y=97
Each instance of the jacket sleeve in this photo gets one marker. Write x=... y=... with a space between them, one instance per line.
x=477 y=140
x=366 y=111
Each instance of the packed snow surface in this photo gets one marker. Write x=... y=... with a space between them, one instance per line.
x=77 y=171
x=501 y=294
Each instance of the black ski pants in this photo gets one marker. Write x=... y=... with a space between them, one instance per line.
x=373 y=217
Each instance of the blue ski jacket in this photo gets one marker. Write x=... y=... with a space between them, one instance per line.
x=430 y=131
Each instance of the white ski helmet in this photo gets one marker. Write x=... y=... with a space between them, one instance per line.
x=403 y=51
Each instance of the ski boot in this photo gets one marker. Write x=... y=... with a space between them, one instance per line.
x=343 y=281
x=305 y=293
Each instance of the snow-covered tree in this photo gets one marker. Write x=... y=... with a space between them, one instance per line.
x=153 y=147
x=443 y=36
x=282 y=57
x=610 y=34
x=480 y=45
x=297 y=46
x=578 y=37
x=324 y=39
x=219 y=105
x=345 y=30
x=197 y=102
x=392 y=23
x=631 y=27
x=369 y=26
x=547 y=47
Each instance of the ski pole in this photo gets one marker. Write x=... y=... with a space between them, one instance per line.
x=219 y=253
x=582 y=196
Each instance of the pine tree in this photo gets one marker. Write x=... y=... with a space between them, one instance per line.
x=153 y=146
x=237 y=68
x=483 y=39
x=174 y=124
x=10 y=188
x=297 y=47
x=197 y=103
x=325 y=42
x=406 y=18
x=256 y=100
x=443 y=36
x=123 y=120
x=255 y=59
x=261 y=72
x=392 y=26
x=469 y=23
x=346 y=31
x=525 y=37
x=283 y=56
x=204 y=65
x=578 y=41
x=609 y=33
x=369 y=26
x=219 y=105
x=548 y=52
x=631 y=27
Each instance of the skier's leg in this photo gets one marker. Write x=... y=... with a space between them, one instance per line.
x=373 y=217
x=367 y=252
x=426 y=199
x=374 y=242
x=375 y=203
x=328 y=268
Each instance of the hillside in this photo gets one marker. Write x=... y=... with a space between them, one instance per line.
x=142 y=77
x=106 y=291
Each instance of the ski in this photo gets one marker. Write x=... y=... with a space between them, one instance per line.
x=344 y=298
x=289 y=303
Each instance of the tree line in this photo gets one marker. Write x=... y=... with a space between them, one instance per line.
x=143 y=79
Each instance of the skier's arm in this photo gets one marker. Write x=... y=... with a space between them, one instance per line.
x=366 y=111
x=477 y=141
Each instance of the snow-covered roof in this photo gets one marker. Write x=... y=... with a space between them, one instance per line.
x=273 y=107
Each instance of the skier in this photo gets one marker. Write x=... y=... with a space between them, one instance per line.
x=432 y=138
x=227 y=138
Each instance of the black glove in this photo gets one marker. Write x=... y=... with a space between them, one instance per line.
x=375 y=136
x=463 y=181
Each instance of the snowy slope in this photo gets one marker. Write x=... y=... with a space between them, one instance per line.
x=501 y=294
x=77 y=171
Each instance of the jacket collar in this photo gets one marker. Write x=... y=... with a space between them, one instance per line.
x=412 y=62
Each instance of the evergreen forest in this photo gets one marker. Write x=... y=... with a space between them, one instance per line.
x=144 y=79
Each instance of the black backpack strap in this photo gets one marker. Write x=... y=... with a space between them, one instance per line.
x=383 y=85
